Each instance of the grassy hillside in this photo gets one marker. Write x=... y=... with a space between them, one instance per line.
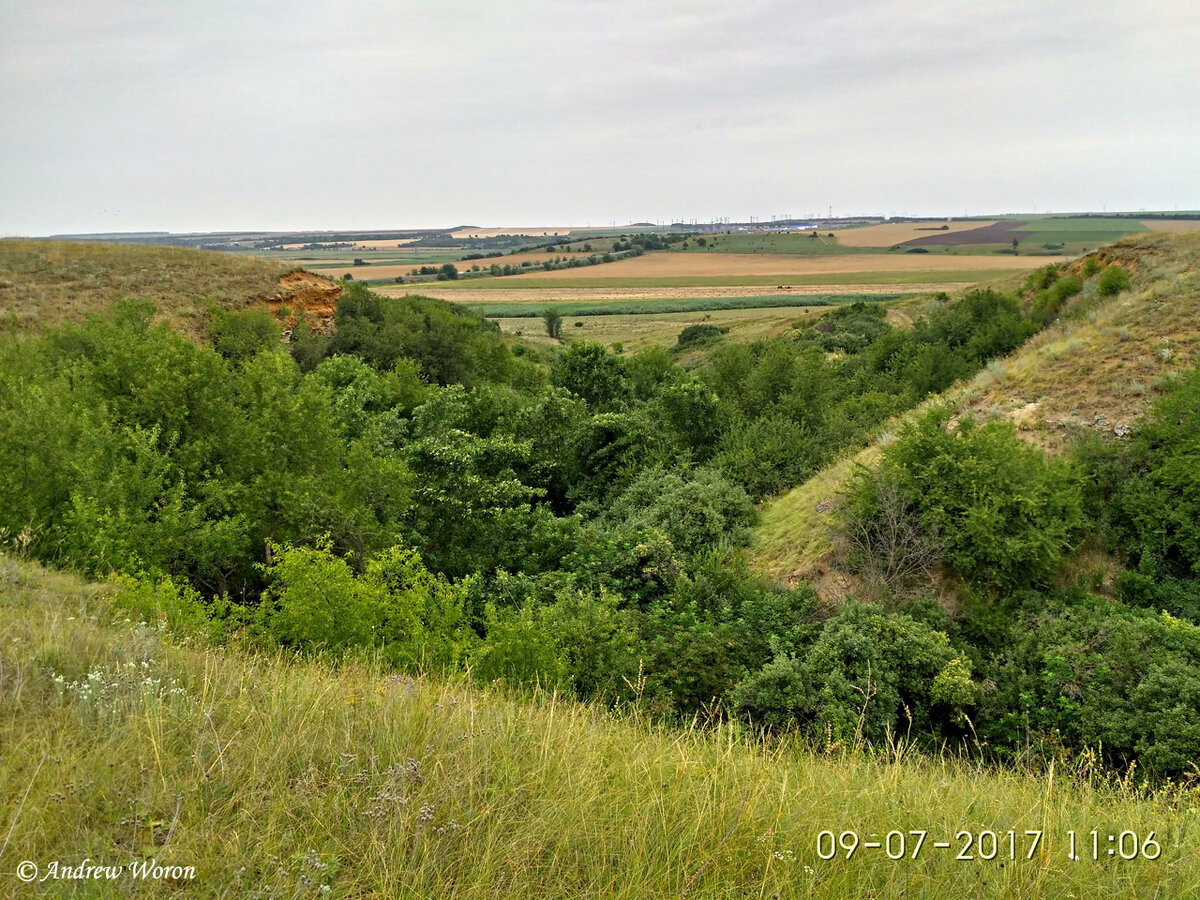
x=1096 y=370
x=279 y=778
x=48 y=282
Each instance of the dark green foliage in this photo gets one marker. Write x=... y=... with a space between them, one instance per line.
x=1149 y=490
x=589 y=371
x=869 y=675
x=698 y=335
x=1069 y=669
x=1049 y=301
x=553 y=323
x=849 y=329
x=451 y=345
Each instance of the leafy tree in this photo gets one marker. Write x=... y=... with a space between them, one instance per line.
x=696 y=512
x=238 y=336
x=588 y=370
x=553 y=320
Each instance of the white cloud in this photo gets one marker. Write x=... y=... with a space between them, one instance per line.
x=359 y=114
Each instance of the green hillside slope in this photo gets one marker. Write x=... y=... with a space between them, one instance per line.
x=1095 y=371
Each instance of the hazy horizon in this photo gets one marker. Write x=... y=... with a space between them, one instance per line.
x=352 y=116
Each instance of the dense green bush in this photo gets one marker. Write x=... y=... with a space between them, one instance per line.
x=1112 y=281
x=696 y=510
x=698 y=335
x=315 y=601
x=1155 y=493
x=1002 y=514
x=870 y=674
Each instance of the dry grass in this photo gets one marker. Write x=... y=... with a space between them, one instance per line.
x=277 y=778
x=48 y=282
x=891 y=233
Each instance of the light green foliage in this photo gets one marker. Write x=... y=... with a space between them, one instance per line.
x=1112 y=281
x=315 y=601
x=469 y=495
x=520 y=650
x=239 y=335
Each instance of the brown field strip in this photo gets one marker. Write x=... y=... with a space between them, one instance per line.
x=371 y=271
x=708 y=265
x=1172 y=225
x=892 y=233
x=605 y=294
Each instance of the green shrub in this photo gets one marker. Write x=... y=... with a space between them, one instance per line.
x=315 y=601
x=1112 y=281
x=1155 y=492
x=698 y=335
x=1003 y=515
x=239 y=336
x=869 y=675
x=696 y=511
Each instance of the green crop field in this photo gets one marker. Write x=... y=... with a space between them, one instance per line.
x=681 y=305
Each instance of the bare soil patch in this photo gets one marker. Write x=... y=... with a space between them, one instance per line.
x=303 y=292
x=996 y=233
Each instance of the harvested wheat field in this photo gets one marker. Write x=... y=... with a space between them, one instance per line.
x=391 y=271
x=1172 y=225
x=707 y=265
x=542 y=296
x=891 y=233
x=535 y=231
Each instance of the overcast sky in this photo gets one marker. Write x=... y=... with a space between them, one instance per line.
x=180 y=116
